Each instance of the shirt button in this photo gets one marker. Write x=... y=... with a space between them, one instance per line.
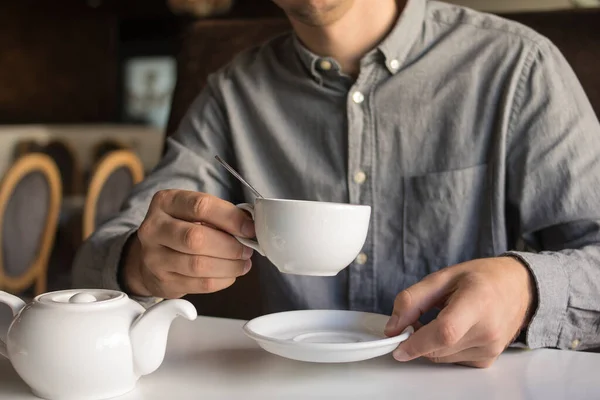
x=325 y=65
x=361 y=259
x=394 y=64
x=358 y=97
x=574 y=344
x=360 y=177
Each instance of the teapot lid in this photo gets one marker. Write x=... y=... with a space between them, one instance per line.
x=80 y=296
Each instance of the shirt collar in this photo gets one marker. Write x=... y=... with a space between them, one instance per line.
x=397 y=44
x=308 y=58
x=395 y=47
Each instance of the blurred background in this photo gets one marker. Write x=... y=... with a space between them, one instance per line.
x=90 y=89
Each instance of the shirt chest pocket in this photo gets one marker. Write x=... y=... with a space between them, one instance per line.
x=447 y=219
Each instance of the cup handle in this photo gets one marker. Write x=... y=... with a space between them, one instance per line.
x=253 y=244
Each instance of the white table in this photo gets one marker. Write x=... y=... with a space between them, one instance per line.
x=212 y=359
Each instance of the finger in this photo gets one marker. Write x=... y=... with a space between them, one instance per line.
x=462 y=313
x=466 y=342
x=170 y=261
x=210 y=267
x=477 y=357
x=479 y=336
x=447 y=351
x=479 y=364
x=201 y=207
x=413 y=302
x=200 y=239
x=460 y=354
x=175 y=285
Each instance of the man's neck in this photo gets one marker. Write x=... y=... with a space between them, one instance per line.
x=352 y=36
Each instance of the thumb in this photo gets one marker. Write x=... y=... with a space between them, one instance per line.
x=415 y=301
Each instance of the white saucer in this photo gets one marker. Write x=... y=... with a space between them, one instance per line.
x=324 y=336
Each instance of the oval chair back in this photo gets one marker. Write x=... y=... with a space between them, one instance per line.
x=66 y=160
x=111 y=183
x=30 y=199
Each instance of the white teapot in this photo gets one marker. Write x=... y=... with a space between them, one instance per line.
x=87 y=344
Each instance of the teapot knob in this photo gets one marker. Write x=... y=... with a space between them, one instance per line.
x=82 y=298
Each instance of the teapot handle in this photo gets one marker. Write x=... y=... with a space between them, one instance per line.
x=16 y=305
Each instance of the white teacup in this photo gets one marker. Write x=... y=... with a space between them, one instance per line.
x=308 y=237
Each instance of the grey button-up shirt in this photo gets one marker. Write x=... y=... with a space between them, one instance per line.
x=464 y=132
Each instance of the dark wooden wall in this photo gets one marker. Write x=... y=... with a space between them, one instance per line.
x=56 y=62
x=60 y=60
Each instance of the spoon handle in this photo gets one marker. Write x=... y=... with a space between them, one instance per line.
x=238 y=176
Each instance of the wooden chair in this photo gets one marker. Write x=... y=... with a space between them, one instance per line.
x=63 y=156
x=104 y=147
x=112 y=180
x=210 y=44
x=30 y=197
x=24 y=147
x=207 y=46
x=68 y=164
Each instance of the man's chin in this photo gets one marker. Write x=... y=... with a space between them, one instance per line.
x=317 y=16
x=312 y=22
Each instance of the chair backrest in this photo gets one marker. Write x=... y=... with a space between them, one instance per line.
x=208 y=45
x=113 y=179
x=25 y=147
x=104 y=147
x=577 y=34
x=68 y=164
x=30 y=198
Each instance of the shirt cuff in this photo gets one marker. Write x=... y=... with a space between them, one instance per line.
x=552 y=286
x=111 y=270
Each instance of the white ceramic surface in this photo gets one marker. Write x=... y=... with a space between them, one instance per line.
x=211 y=358
x=87 y=344
x=308 y=237
x=324 y=336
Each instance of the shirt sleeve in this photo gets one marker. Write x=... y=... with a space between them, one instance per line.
x=188 y=163
x=553 y=188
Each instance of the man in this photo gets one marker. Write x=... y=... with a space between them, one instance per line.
x=466 y=133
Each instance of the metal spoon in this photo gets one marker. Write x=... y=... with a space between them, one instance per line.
x=238 y=176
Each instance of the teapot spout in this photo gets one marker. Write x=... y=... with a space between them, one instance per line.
x=16 y=305
x=150 y=331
